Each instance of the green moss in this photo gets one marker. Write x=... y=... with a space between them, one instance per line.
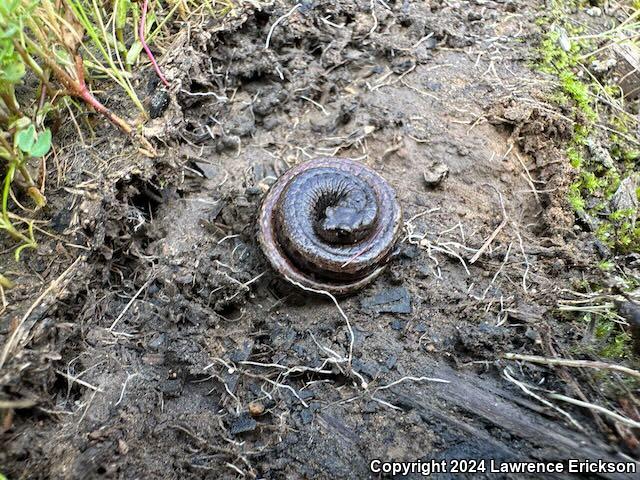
x=611 y=341
x=610 y=183
x=579 y=92
x=606 y=265
x=557 y=61
x=575 y=157
x=614 y=91
x=617 y=347
x=571 y=92
x=589 y=182
x=595 y=183
x=620 y=231
x=575 y=198
x=604 y=233
x=627 y=230
x=631 y=155
x=553 y=58
x=622 y=123
x=580 y=134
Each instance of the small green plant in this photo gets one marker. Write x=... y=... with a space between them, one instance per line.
x=27 y=144
x=575 y=157
x=625 y=229
x=65 y=46
x=33 y=144
x=40 y=37
x=578 y=91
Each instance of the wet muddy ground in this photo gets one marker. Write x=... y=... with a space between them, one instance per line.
x=166 y=347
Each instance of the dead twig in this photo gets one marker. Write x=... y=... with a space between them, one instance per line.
x=15 y=404
x=529 y=179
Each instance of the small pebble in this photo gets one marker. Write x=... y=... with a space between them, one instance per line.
x=435 y=174
x=256 y=409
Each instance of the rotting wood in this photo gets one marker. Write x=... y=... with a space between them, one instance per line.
x=486 y=402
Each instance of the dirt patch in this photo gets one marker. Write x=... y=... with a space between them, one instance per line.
x=171 y=350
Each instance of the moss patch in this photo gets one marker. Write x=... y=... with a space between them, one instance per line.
x=601 y=157
x=562 y=55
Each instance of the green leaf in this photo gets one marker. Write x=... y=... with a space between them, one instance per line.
x=42 y=145
x=20 y=123
x=122 y=7
x=9 y=32
x=13 y=72
x=134 y=53
x=26 y=138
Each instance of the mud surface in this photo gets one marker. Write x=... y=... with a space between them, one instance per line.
x=170 y=350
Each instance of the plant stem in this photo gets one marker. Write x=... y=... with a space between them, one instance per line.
x=78 y=87
x=96 y=31
x=6 y=221
x=83 y=92
x=145 y=6
x=32 y=189
x=4 y=143
x=4 y=118
x=32 y=64
x=10 y=101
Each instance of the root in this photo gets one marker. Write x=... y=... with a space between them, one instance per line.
x=572 y=363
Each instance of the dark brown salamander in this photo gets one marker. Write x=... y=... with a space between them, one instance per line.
x=330 y=224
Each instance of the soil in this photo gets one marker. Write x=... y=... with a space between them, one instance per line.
x=166 y=348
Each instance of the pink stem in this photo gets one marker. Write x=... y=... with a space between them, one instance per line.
x=145 y=5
